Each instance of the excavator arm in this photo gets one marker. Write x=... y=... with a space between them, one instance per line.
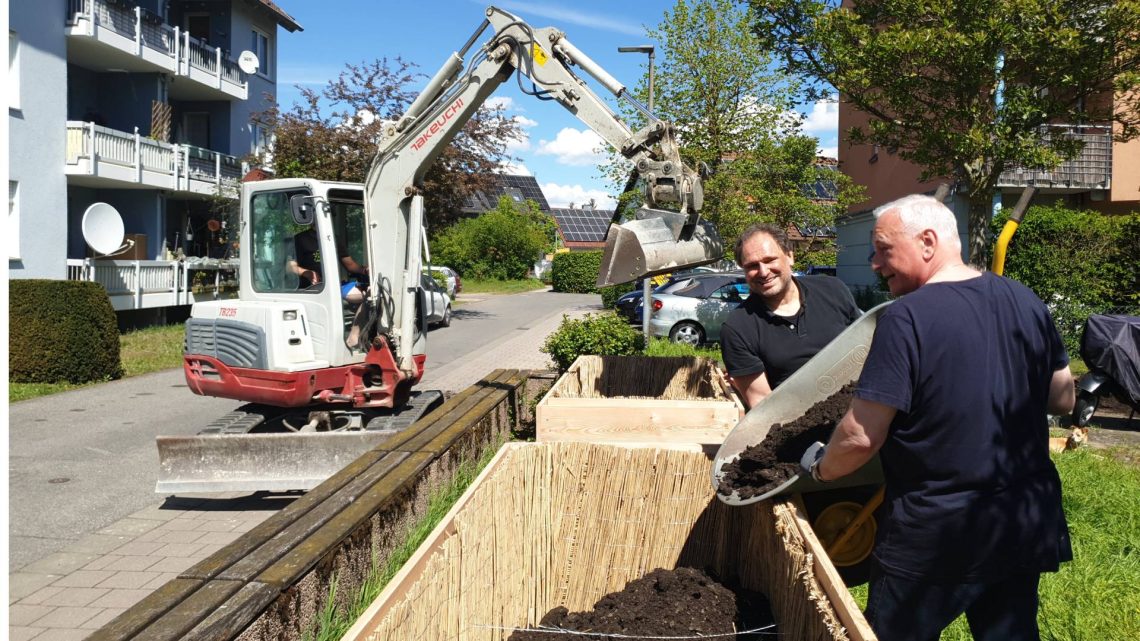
x=655 y=242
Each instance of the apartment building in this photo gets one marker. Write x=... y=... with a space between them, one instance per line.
x=142 y=105
x=1104 y=177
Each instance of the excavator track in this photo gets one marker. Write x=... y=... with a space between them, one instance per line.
x=261 y=448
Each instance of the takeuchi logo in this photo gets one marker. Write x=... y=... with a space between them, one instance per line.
x=438 y=125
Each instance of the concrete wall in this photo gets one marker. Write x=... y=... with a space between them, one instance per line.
x=37 y=139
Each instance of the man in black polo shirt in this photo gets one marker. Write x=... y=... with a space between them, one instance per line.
x=785 y=321
x=953 y=395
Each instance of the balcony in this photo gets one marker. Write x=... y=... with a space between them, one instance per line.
x=107 y=34
x=1091 y=170
x=98 y=156
x=147 y=284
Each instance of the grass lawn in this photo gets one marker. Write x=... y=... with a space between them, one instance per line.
x=488 y=286
x=141 y=352
x=1097 y=595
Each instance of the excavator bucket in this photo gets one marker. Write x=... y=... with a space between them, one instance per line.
x=656 y=243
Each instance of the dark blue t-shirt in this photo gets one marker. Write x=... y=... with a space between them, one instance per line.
x=971 y=493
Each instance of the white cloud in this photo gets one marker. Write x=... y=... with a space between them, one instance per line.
x=506 y=102
x=575 y=147
x=519 y=144
x=523 y=121
x=562 y=195
x=823 y=119
x=830 y=152
x=593 y=21
x=515 y=169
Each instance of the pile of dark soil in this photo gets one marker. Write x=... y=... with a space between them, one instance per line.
x=765 y=466
x=664 y=603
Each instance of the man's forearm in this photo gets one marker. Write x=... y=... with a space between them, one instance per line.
x=857 y=437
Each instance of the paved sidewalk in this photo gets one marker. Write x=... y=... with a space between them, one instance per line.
x=71 y=593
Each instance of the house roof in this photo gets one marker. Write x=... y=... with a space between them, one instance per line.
x=282 y=18
x=519 y=188
x=582 y=225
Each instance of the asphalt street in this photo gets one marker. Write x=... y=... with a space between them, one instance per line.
x=81 y=460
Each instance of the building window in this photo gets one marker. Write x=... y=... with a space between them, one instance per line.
x=13 y=70
x=13 y=220
x=259 y=45
x=261 y=143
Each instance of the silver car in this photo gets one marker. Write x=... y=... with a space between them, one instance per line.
x=438 y=309
x=692 y=311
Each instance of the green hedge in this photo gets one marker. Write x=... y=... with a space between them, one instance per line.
x=1079 y=262
x=61 y=331
x=576 y=272
x=602 y=334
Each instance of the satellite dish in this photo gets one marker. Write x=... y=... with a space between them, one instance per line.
x=248 y=62
x=103 y=229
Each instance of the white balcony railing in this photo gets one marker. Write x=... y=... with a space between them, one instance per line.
x=146 y=284
x=130 y=157
x=179 y=52
x=1091 y=169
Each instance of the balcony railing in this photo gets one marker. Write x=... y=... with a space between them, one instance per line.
x=125 y=157
x=146 y=284
x=1091 y=169
x=184 y=54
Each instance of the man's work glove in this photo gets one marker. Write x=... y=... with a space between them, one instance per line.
x=809 y=462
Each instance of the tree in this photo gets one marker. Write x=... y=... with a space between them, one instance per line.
x=501 y=244
x=735 y=116
x=966 y=89
x=333 y=135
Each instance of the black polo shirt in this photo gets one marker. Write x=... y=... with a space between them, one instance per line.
x=754 y=340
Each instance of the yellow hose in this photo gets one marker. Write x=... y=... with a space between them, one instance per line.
x=998 y=265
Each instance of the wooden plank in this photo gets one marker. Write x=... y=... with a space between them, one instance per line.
x=449 y=412
x=191 y=611
x=221 y=560
x=670 y=421
x=439 y=437
x=845 y=607
x=229 y=621
x=312 y=545
x=147 y=611
x=410 y=572
x=297 y=533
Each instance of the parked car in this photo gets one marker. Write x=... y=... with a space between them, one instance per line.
x=629 y=305
x=438 y=309
x=454 y=282
x=693 y=310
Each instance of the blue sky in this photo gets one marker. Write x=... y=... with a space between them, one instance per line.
x=558 y=149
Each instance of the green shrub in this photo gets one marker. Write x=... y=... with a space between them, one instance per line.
x=576 y=272
x=501 y=244
x=868 y=296
x=61 y=331
x=603 y=334
x=1079 y=262
x=666 y=347
x=613 y=292
x=440 y=279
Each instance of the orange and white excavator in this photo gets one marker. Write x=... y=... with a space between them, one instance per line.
x=328 y=375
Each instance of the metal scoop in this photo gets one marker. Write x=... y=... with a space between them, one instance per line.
x=657 y=242
x=826 y=373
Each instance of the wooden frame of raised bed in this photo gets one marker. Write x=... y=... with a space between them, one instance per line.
x=639 y=400
x=562 y=524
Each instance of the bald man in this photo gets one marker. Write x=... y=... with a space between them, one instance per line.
x=961 y=374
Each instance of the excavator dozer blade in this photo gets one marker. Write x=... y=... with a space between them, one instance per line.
x=649 y=246
x=258 y=462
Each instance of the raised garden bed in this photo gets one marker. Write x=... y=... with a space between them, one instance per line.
x=563 y=524
x=639 y=399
